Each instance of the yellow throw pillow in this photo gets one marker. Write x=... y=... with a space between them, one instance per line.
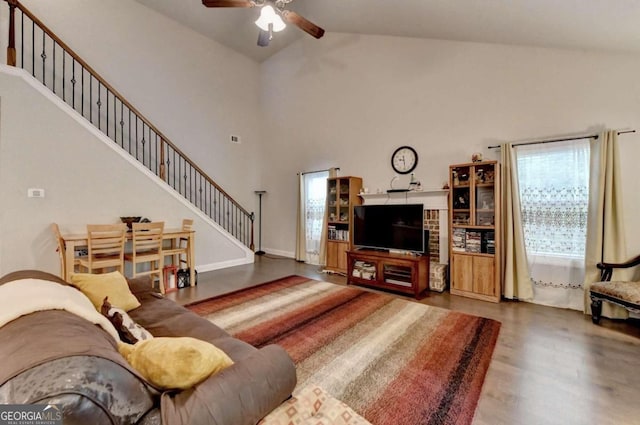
x=112 y=285
x=175 y=363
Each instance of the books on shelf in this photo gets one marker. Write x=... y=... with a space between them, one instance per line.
x=473 y=241
x=458 y=240
x=334 y=234
x=490 y=242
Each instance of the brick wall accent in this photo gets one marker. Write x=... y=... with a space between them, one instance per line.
x=432 y=223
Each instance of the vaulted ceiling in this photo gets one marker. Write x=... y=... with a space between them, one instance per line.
x=611 y=25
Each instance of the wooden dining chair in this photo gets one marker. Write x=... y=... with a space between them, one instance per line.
x=62 y=251
x=180 y=246
x=147 y=248
x=105 y=243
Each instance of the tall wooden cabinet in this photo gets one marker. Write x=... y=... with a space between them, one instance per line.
x=342 y=196
x=474 y=230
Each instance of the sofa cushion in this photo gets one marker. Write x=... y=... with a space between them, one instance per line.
x=179 y=362
x=112 y=285
x=625 y=291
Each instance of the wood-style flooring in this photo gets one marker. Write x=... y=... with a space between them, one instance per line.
x=550 y=366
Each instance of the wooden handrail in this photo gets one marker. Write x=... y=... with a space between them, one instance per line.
x=15 y=3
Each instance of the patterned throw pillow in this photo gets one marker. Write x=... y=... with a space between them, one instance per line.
x=129 y=331
x=312 y=405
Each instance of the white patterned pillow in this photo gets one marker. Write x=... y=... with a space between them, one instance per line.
x=129 y=331
x=312 y=406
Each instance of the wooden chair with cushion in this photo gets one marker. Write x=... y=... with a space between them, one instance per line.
x=624 y=294
x=105 y=243
x=147 y=248
x=179 y=247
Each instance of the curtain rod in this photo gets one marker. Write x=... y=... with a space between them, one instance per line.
x=317 y=171
x=539 y=142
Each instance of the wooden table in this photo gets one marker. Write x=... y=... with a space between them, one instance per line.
x=79 y=240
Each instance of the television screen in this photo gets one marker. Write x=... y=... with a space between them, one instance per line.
x=397 y=226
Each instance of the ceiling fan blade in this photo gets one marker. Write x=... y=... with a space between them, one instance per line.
x=228 y=3
x=305 y=25
x=264 y=38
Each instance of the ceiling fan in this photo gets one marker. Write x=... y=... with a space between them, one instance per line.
x=271 y=18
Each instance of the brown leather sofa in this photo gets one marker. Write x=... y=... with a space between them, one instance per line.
x=56 y=357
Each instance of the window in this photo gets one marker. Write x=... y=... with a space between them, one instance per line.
x=553 y=180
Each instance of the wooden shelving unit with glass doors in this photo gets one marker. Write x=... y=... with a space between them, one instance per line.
x=474 y=230
x=342 y=196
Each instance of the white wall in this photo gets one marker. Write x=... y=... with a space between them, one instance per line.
x=349 y=100
x=196 y=91
x=86 y=178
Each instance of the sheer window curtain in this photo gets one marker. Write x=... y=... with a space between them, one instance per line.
x=554 y=193
x=312 y=188
x=605 y=228
x=516 y=280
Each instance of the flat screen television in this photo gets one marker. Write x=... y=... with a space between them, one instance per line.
x=395 y=226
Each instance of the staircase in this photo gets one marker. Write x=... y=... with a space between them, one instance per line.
x=35 y=48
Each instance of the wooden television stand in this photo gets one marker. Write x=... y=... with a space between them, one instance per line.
x=406 y=273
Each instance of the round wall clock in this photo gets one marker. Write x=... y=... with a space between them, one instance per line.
x=404 y=160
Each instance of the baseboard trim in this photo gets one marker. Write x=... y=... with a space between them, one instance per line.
x=288 y=254
x=224 y=264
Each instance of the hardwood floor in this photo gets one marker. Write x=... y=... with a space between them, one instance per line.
x=550 y=366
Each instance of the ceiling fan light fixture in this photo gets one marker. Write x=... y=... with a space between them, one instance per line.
x=269 y=16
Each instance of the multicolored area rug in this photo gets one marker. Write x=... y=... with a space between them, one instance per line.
x=395 y=362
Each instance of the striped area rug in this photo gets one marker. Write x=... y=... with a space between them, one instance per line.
x=395 y=362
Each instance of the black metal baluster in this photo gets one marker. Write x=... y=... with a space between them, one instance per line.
x=136 y=139
x=180 y=173
x=64 y=75
x=99 y=103
x=191 y=194
x=82 y=91
x=142 y=142
x=91 y=98
x=33 y=48
x=174 y=168
x=22 y=39
x=106 y=124
x=53 y=76
x=115 y=115
x=73 y=83
x=129 y=150
x=43 y=55
x=122 y=124
x=207 y=191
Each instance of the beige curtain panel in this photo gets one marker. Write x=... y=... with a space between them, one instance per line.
x=516 y=278
x=605 y=227
x=301 y=231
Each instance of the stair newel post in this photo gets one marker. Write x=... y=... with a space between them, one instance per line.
x=11 y=48
x=162 y=166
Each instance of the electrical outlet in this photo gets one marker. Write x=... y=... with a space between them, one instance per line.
x=235 y=139
x=35 y=193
